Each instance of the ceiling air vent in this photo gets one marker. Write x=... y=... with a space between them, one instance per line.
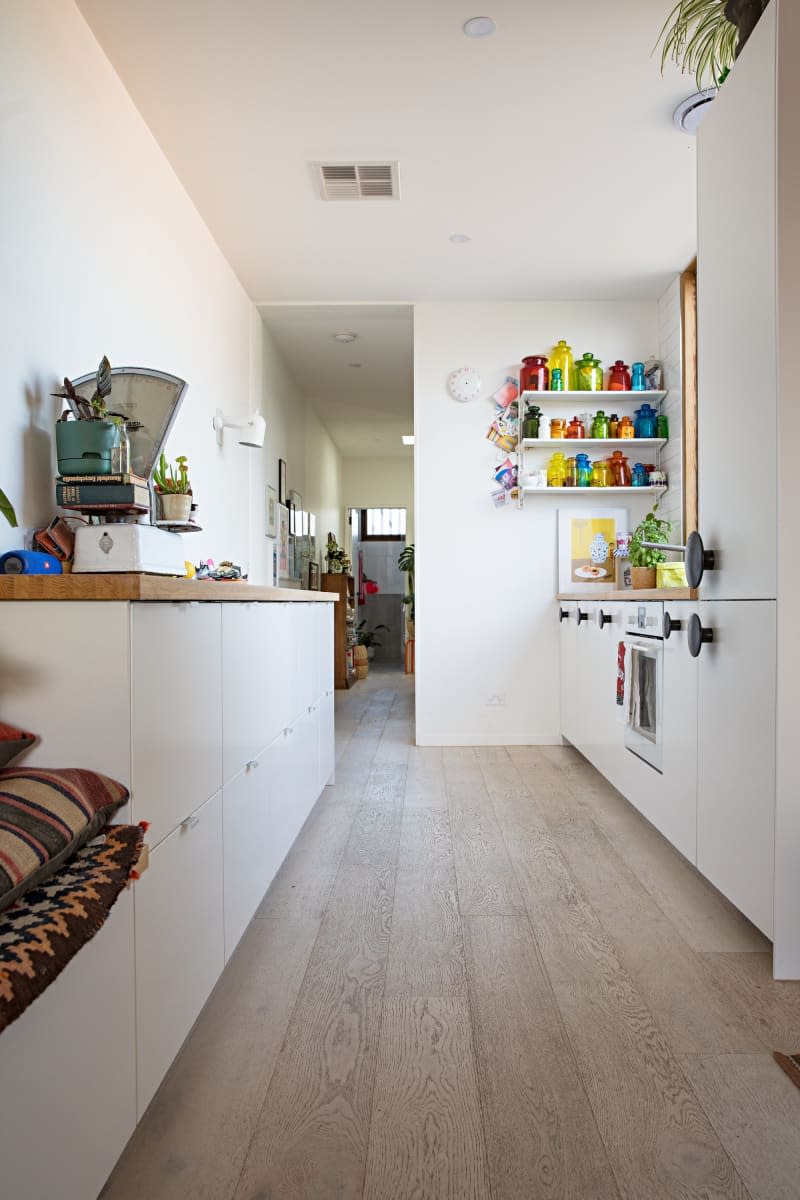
x=358 y=181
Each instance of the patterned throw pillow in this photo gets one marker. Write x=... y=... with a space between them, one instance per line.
x=13 y=741
x=45 y=816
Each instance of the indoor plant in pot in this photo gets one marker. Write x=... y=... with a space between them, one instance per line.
x=366 y=637
x=86 y=445
x=173 y=489
x=643 y=558
x=406 y=563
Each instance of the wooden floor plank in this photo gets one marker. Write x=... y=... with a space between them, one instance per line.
x=386 y=784
x=541 y=1136
x=486 y=883
x=426 y=1140
x=425 y=839
x=374 y=836
x=310 y=1139
x=755 y=1109
x=426 y=953
x=304 y=881
x=194 y=1137
x=772 y=1006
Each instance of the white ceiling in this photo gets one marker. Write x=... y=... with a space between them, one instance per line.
x=550 y=144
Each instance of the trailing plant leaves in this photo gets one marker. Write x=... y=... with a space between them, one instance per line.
x=700 y=39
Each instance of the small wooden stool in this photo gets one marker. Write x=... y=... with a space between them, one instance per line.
x=409 y=663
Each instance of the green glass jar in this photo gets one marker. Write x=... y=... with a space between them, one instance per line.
x=600 y=425
x=588 y=374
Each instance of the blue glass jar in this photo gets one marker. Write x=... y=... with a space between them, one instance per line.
x=639 y=477
x=638 y=381
x=645 y=422
x=583 y=470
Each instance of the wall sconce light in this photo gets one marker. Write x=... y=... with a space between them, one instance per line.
x=254 y=430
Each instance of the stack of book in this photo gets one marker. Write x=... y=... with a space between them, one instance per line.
x=98 y=494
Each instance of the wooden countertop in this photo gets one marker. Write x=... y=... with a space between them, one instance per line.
x=122 y=586
x=635 y=595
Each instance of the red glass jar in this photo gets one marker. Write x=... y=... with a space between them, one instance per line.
x=619 y=377
x=576 y=428
x=534 y=375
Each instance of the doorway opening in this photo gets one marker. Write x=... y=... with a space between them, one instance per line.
x=384 y=621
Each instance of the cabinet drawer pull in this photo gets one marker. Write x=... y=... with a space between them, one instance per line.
x=312 y=708
x=189 y=823
x=581 y=616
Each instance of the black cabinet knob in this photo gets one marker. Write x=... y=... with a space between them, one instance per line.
x=698 y=560
x=582 y=616
x=698 y=635
x=563 y=613
x=671 y=625
x=604 y=618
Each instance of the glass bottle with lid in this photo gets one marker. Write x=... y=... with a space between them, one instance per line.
x=556 y=379
x=638 y=381
x=534 y=375
x=601 y=475
x=558 y=427
x=588 y=374
x=571 y=479
x=530 y=424
x=600 y=424
x=619 y=378
x=561 y=360
x=625 y=428
x=575 y=428
x=645 y=424
x=613 y=426
x=584 y=470
x=556 y=470
x=639 y=476
x=619 y=469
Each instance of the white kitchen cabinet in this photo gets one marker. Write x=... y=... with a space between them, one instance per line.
x=674 y=810
x=737 y=325
x=568 y=639
x=326 y=647
x=607 y=726
x=327 y=741
x=736 y=756
x=68 y=1072
x=176 y=725
x=250 y=698
x=305 y=640
x=249 y=853
x=180 y=948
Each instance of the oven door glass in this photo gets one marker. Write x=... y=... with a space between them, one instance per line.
x=643 y=731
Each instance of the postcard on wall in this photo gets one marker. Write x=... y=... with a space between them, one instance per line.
x=283 y=542
x=272 y=514
x=587 y=540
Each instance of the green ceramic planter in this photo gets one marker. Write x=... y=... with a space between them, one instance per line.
x=84 y=447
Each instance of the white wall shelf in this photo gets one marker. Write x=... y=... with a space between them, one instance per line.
x=617 y=443
x=557 y=397
x=592 y=491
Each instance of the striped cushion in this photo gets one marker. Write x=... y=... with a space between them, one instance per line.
x=45 y=816
x=13 y=741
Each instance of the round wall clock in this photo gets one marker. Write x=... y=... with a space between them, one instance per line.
x=464 y=384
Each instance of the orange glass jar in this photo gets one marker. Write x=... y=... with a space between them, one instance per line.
x=558 y=427
x=619 y=470
x=576 y=429
x=626 y=429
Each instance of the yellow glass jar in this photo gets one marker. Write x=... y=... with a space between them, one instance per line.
x=561 y=358
x=556 y=470
x=601 y=473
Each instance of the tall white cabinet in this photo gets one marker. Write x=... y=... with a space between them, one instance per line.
x=219 y=717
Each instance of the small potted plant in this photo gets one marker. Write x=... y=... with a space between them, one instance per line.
x=406 y=563
x=173 y=489
x=366 y=637
x=643 y=558
x=87 y=444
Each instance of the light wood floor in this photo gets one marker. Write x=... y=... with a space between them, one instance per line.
x=479 y=974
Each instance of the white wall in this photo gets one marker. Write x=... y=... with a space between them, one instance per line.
x=486 y=578
x=102 y=251
x=380 y=483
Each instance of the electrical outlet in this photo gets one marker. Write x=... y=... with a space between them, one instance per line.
x=496 y=700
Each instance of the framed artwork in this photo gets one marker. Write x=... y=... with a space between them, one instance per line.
x=587 y=541
x=313 y=576
x=284 y=571
x=272 y=511
x=282 y=497
x=296 y=510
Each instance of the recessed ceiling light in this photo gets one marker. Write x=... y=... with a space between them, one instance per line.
x=477 y=27
x=355 y=364
x=459 y=239
x=345 y=337
x=408 y=439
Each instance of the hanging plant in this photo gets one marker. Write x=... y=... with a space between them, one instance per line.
x=700 y=39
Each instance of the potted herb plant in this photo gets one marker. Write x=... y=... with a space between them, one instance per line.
x=406 y=563
x=643 y=558
x=705 y=37
x=366 y=637
x=85 y=445
x=173 y=489
x=7 y=509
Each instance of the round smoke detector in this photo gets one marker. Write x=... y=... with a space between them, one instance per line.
x=690 y=112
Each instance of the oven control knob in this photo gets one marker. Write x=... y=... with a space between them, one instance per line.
x=698 y=560
x=604 y=618
x=582 y=616
x=671 y=625
x=698 y=635
x=562 y=615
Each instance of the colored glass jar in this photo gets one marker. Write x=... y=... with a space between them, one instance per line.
x=561 y=360
x=534 y=375
x=613 y=426
x=662 y=426
x=638 y=381
x=556 y=380
x=619 y=470
x=571 y=478
x=556 y=470
x=588 y=374
x=530 y=424
x=601 y=475
x=645 y=423
x=619 y=377
x=600 y=425
x=639 y=476
x=575 y=428
x=558 y=427
x=626 y=428
x=584 y=470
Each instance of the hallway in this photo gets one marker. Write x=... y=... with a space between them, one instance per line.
x=480 y=973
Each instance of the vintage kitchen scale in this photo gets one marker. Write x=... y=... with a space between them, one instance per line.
x=149 y=401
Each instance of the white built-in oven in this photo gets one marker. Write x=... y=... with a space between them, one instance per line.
x=644 y=682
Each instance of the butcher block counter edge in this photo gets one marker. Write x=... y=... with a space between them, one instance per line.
x=124 y=586
x=633 y=594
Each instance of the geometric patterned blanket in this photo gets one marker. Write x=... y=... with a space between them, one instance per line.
x=46 y=928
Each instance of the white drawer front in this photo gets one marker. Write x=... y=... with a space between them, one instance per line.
x=327 y=742
x=249 y=714
x=179 y=941
x=177 y=711
x=249 y=857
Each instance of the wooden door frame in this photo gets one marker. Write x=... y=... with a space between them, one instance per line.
x=689 y=360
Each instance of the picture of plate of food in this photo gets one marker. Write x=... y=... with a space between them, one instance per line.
x=591 y=572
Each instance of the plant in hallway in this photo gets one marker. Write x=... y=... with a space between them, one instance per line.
x=366 y=637
x=644 y=558
x=704 y=37
x=7 y=509
x=406 y=563
x=338 y=562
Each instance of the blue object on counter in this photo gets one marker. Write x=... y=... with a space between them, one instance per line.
x=645 y=422
x=639 y=476
x=29 y=562
x=638 y=381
